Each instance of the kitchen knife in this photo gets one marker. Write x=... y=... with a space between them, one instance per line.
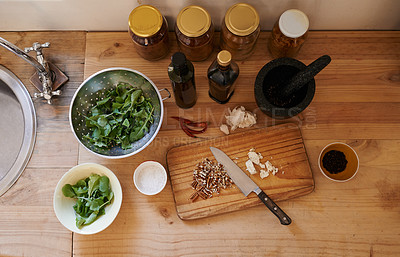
x=246 y=185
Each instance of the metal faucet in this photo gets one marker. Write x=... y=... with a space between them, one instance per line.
x=42 y=67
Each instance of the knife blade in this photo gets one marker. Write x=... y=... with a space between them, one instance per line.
x=246 y=185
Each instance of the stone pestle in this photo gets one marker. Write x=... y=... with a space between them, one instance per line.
x=304 y=76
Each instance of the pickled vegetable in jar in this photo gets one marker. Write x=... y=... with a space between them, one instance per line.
x=194 y=32
x=148 y=29
x=240 y=30
x=289 y=34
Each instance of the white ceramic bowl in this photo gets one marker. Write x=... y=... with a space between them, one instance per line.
x=63 y=206
x=150 y=178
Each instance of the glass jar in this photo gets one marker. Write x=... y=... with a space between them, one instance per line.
x=222 y=75
x=240 y=30
x=148 y=29
x=194 y=32
x=289 y=34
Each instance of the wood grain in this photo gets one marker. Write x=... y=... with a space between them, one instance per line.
x=356 y=102
x=337 y=219
x=357 y=94
x=282 y=145
x=28 y=225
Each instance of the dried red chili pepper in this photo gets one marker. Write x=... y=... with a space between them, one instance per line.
x=185 y=129
x=183 y=119
x=195 y=131
x=202 y=124
x=184 y=123
x=198 y=124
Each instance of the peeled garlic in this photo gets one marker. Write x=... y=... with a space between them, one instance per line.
x=240 y=118
x=224 y=128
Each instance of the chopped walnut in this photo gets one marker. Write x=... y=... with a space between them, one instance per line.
x=208 y=178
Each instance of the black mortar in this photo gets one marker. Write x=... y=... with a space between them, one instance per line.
x=268 y=89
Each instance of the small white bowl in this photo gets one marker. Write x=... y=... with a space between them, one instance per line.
x=150 y=178
x=63 y=206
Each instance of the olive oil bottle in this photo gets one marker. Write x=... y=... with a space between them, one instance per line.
x=222 y=75
x=181 y=74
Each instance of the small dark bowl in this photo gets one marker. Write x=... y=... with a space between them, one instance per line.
x=277 y=72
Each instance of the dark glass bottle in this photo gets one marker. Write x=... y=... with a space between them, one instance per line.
x=181 y=74
x=222 y=75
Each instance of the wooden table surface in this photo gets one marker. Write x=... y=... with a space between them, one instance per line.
x=357 y=101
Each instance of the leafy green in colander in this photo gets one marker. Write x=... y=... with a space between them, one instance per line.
x=122 y=117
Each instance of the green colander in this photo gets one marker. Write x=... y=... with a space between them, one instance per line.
x=93 y=90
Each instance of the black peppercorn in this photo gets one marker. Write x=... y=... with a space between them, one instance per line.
x=334 y=162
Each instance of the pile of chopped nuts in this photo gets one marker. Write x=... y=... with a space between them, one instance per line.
x=208 y=178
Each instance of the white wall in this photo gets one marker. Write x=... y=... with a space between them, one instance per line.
x=95 y=15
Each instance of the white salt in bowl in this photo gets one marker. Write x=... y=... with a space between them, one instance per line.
x=150 y=178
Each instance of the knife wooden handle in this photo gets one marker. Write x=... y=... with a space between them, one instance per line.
x=282 y=216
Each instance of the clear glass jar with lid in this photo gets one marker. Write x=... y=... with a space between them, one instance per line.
x=148 y=29
x=289 y=34
x=240 y=30
x=194 y=32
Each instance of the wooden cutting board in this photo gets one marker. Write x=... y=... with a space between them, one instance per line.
x=282 y=145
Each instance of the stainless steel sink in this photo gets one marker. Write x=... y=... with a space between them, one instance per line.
x=17 y=128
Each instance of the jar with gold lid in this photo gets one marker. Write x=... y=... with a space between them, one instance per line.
x=194 y=32
x=240 y=30
x=148 y=29
x=288 y=34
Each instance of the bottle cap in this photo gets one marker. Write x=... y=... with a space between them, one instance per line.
x=178 y=60
x=242 y=19
x=193 y=21
x=224 y=58
x=145 y=20
x=293 y=23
